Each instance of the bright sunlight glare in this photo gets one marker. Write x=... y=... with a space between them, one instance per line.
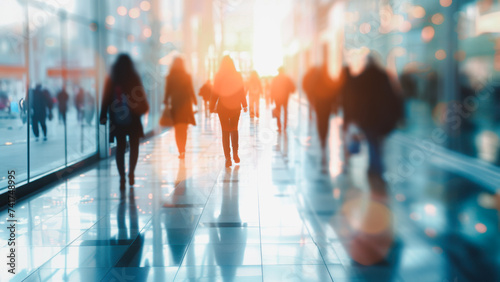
x=267 y=45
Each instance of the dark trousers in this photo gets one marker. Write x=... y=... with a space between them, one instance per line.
x=375 y=141
x=229 y=124
x=38 y=120
x=121 y=146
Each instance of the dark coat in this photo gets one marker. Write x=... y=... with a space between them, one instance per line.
x=41 y=103
x=371 y=102
x=180 y=97
x=135 y=128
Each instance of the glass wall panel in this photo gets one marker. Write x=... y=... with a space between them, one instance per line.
x=478 y=55
x=81 y=89
x=446 y=56
x=13 y=78
x=47 y=137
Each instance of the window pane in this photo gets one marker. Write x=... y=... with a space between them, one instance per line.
x=13 y=75
x=47 y=137
x=82 y=113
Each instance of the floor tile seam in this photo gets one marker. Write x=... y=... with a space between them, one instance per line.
x=295 y=198
x=41 y=266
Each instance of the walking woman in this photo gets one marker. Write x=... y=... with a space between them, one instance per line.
x=125 y=101
x=229 y=97
x=179 y=98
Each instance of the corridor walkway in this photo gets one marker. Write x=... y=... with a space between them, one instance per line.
x=276 y=217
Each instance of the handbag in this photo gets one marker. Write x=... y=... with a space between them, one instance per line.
x=166 y=119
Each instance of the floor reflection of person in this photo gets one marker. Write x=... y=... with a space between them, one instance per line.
x=41 y=105
x=282 y=87
x=366 y=229
x=125 y=101
x=130 y=237
x=229 y=243
x=179 y=222
x=228 y=98
x=254 y=94
x=180 y=98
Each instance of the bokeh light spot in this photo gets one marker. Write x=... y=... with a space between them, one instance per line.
x=110 y=20
x=122 y=11
x=440 y=54
x=145 y=6
x=112 y=50
x=445 y=3
x=428 y=33
x=134 y=13
x=418 y=12
x=437 y=19
x=481 y=228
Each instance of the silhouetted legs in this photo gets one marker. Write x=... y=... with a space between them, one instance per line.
x=322 y=123
x=285 y=116
x=254 y=105
x=375 y=153
x=181 y=138
x=36 y=120
x=229 y=124
x=121 y=146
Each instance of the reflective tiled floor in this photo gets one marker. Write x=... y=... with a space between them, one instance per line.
x=277 y=217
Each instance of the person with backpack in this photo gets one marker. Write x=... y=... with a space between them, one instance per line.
x=124 y=100
x=228 y=97
x=180 y=98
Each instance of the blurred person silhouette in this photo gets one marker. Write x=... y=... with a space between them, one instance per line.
x=179 y=98
x=62 y=104
x=375 y=107
x=205 y=93
x=228 y=97
x=41 y=105
x=89 y=108
x=125 y=101
x=281 y=88
x=254 y=93
x=322 y=93
x=80 y=103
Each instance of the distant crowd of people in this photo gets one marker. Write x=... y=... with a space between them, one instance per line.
x=368 y=101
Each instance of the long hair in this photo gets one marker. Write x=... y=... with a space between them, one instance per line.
x=177 y=66
x=227 y=80
x=123 y=73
